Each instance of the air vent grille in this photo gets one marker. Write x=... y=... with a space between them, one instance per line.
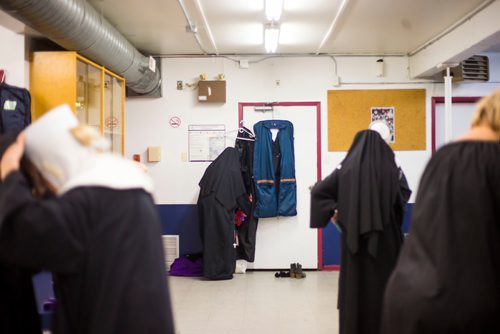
x=475 y=68
x=171 y=248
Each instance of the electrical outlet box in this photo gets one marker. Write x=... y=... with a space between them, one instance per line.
x=336 y=81
x=184 y=156
x=212 y=91
x=154 y=154
x=244 y=64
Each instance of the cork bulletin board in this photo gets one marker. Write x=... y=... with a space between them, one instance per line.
x=350 y=111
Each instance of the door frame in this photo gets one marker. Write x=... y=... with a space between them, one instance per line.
x=440 y=99
x=317 y=105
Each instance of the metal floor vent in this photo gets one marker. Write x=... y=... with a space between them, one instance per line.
x=475 y=68
x=171 y=248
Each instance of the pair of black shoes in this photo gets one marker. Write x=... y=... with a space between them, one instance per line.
x=281 y=274
x=296 y=271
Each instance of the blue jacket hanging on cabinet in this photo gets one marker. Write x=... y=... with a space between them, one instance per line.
x=15 y=108
x=274 y=170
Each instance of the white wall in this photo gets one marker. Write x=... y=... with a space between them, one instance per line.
x=12 y=58
x=300 y=79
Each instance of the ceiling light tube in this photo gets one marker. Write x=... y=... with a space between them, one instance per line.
x=274 y=9
x=207 y=27
x=271 y=38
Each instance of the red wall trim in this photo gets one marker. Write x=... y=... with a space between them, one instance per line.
x=316 y=104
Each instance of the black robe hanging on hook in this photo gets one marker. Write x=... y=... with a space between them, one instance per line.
x=221 y=192
x=247 y=231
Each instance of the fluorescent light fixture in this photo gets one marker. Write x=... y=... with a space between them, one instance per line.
x=274 y=9
x=271 y=37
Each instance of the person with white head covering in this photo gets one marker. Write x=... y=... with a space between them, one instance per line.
x=382 y=128
x=100 y=234
x=384 y=131
x=366 y=199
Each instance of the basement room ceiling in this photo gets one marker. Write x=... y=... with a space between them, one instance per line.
x=158 y=27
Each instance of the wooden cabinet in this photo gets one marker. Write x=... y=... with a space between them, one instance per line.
x=96 y=95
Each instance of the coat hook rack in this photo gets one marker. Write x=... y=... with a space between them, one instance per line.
x=265 y=108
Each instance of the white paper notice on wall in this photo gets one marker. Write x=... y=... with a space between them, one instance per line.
x=206 y=141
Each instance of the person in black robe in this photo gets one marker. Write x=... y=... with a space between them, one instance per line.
x=447 y=279
x=247 y=231
x=364 y=194
x=18 y=308
x=99 y=235
x=222 y=191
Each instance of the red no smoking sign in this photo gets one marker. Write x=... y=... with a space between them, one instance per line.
x=175 y=122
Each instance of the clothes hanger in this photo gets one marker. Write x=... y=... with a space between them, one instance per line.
x=241 y=130
x=247 y=139
x=237 y=137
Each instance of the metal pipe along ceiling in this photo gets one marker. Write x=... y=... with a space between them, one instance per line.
x=76 y=25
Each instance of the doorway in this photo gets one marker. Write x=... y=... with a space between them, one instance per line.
x=285 y=240
x=463 y=108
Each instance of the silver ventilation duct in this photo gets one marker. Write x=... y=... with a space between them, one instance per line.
x=76 y=25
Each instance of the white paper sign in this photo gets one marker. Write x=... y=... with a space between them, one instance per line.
x=206 y=142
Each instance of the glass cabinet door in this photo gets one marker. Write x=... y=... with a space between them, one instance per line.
x=113 y=111
x=88 y=94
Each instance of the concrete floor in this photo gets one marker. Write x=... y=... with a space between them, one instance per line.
x=256 y=303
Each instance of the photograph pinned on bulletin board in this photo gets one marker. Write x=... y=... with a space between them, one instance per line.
x=385 y=114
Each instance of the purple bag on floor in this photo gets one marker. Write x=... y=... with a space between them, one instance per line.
x=49 y=305
x=184 y=266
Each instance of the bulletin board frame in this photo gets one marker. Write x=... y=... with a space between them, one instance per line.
x=349 y=111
